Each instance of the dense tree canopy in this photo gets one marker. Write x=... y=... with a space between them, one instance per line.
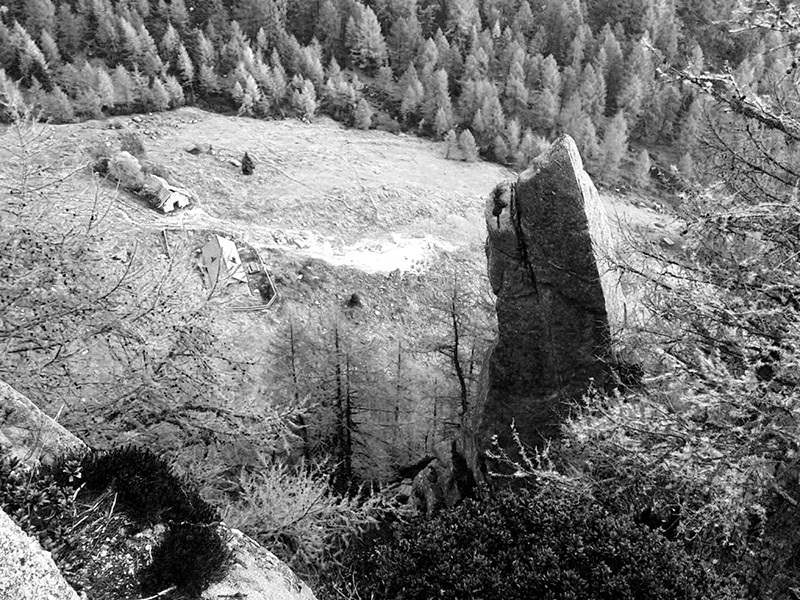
x=560 y=66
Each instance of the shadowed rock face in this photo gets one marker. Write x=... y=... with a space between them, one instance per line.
x=557 y=301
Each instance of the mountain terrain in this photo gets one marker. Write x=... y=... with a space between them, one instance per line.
x=333 y=212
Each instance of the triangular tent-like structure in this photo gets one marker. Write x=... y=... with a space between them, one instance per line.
x=222 y=262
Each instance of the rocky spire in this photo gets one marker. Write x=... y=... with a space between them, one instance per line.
x=557 y=301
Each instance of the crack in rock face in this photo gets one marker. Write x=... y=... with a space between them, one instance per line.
x=558 y=302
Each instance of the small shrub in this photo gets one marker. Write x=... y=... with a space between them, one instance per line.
x=125 y=168
x=520 y=545
x=100 y=154
x=133 y=143
x=191 y=556
x=36 y=500
x=294 y=513
x=384 y=122
x=146 y=485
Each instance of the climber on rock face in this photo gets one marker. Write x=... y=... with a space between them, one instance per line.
x=499 y=203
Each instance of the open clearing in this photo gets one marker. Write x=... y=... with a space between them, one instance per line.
x=365 y=199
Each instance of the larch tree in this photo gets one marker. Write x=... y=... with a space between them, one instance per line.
x=159 y=97
x=691 y=127
x=662 y=113
x=631 y=99
x=404 y=40
x=548 y=98
x=613 y=148
x=57 y=107
x=362 y=118
x=368 y=49
x=105 y=87
x=168 y=46
x=175 y=91
x=515 y=93
x=30 y=61
x=462 y=17
x=328 y=29
x=513 y=135
x=178 y=15
x=451 y=143
x=493 y=115
x=148 y=60
x=252 y=15
x=184 y=66
x=478 y=126
x=40 y=15
x=466 y=142
x=413 y=93
x=641 y=169
x=570 y=114
x=124 y=96
x=437 y=106
x=592 y=92
x=70 y=30
x=614 y=68
x=304 y=97
x=233 y=50
x=524 y=22
x=585 y=135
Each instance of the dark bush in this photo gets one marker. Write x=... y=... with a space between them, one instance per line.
x=386 y=122
x=146 y=485
x=520 y=545
x=192 y=552
x=190 y=556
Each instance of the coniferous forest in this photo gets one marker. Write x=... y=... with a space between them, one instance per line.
x=509 y=74
x=681 y=483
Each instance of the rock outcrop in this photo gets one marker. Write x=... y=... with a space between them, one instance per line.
x=27 y=433
x=26 y=571
x=443 y=482
x=257 y=574
x=557 y=301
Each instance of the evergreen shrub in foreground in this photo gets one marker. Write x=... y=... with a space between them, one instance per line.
x=526 y=546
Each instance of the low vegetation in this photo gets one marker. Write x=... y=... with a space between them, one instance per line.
x=78 y=506
x=546 y=543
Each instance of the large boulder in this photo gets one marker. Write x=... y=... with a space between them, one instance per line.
x=26 y=571
x=558 y=303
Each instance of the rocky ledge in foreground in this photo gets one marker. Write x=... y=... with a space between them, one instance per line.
x=29 y=573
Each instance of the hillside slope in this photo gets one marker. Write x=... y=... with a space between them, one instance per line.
x=333 y=212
